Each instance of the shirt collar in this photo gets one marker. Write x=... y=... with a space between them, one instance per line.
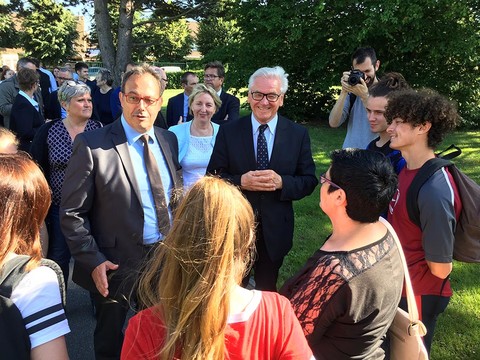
x=132 y=134
x=272 y=124
x=26 y=96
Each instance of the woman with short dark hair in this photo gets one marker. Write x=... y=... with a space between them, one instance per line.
x=347 y=294
x=26 y=117
x=101 y=97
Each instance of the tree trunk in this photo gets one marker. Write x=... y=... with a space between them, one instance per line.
x=105 y=38
x=124 y=46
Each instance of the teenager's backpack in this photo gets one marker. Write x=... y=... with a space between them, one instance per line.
x=467 y=232
x=14 y=337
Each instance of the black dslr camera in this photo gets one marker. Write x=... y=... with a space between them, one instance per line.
x=355 y=76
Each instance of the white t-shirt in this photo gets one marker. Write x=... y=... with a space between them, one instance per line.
x=38 y=298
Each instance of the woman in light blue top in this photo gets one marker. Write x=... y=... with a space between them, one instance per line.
x=197 y=137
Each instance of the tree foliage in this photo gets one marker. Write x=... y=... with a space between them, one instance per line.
x=49 y=31
x=433 y=43
x=216 y=35
x=8 y=35
x=169 y=41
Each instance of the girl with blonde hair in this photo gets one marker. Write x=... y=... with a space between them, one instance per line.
x=197 y=310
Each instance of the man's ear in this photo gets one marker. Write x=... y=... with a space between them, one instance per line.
x=424 y=128
x=377 y=65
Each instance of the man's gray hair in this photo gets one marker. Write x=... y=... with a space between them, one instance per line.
x=71 y=89
x=271 y=72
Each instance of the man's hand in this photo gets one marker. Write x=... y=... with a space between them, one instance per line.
x=360 y=90
x=261 y=180
x=99 y=275
x=180 y=120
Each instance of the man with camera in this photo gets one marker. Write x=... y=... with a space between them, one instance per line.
x=351 y=102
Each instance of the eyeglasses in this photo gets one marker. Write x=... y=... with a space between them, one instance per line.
x=135 y=99
x=63 y=78
x=323 y=179
x=210 y=76
x=258 y=96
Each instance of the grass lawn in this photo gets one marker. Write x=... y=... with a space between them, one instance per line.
x=457 y=335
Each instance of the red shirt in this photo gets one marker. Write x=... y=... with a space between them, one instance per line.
x=267 y=329
x=440 y=205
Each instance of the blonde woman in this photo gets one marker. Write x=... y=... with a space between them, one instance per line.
x=196 y=138
x=197 y=310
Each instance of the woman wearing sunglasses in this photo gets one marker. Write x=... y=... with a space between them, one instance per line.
x=347 y=294
x=52 y=149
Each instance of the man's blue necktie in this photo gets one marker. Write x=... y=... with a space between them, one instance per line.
x=262 y=150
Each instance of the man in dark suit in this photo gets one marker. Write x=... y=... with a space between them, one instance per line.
x=270 y=158
x=230 y=110
x=111 y=213
x=177 y=108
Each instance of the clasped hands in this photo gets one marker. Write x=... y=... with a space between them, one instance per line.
x=261 y=180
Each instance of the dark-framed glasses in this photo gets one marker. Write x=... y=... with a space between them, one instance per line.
x=135 y=99
x=63 y=78
x=258 y=96
x=323 y=179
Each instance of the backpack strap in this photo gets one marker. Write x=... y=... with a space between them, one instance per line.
x=12 y=273
x=450 y=153
x=61 y=281
x=425 y=172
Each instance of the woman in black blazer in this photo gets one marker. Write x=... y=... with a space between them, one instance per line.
x=26 y=115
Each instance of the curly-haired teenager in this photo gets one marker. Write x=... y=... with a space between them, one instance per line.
x=418 y=122
x=197 y=308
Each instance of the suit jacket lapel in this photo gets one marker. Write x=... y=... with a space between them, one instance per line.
x=120 y=141
x=280 y=142
x=247 y=140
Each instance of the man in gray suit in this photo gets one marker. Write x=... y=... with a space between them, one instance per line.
x=109 y=213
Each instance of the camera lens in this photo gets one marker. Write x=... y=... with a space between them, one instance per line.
x=354 y=77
